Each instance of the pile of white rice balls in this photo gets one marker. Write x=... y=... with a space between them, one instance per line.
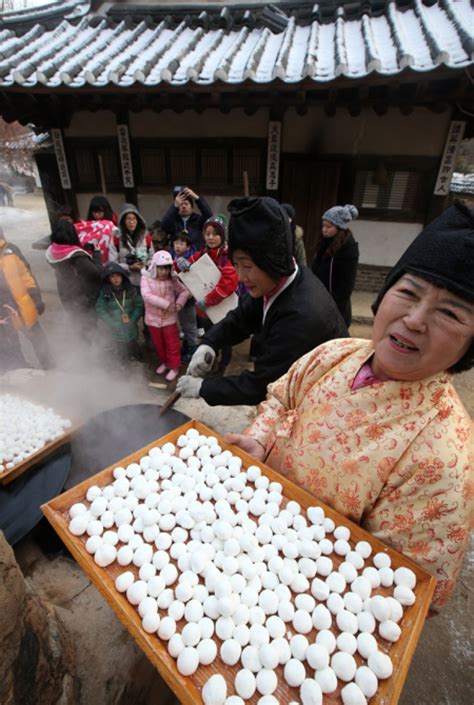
x=25 y=428
x=220 y=566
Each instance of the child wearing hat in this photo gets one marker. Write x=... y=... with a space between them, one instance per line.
x=120 y=307
x=337 y=257
x=214 y=233
x=164 y=296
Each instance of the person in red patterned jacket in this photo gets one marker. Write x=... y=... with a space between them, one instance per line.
x=214 y=232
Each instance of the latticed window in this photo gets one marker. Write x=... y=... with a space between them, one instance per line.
x=109 y=163
x=94 y=166
x=392 y=191
x=247 y=159
x=214 y=163
x=85 y=165
x=153 y=165
x=182 y=165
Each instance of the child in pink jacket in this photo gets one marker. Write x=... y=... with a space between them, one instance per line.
x=164 y=296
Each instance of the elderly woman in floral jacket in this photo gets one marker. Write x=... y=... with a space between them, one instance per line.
x=375 y=428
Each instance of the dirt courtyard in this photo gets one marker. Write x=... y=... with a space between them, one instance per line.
x=85 y=382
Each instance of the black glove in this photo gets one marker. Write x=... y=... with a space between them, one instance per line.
x=40 y=308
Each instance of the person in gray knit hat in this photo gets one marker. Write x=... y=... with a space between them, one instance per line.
x=337 y=256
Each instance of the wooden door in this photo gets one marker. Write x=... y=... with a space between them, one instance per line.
x=311 y=186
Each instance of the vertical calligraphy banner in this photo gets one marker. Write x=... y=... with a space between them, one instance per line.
x=57 y=137
x=125 y=156
x=446 y=168
x=273 y=155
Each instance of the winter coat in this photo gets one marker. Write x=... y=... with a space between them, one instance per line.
x=109 y=310
x=338 y=274
x=173 y=223
x=300 y=252
x=158 y=294
x=77 y=276
x=102 y=232
x=125 y=246
x=395 y=457
x=229 y=280
x=22 y=285
x=301 y=317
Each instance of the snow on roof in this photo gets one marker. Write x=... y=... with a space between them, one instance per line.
x=96 y=50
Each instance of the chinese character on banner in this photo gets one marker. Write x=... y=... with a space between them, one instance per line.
x=125 y=156
x=61 y=160
x=446 y=167
x=273 y=155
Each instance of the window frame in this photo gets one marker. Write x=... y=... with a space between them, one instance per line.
x=425 y=166
x=73 y=144
x=229 y=187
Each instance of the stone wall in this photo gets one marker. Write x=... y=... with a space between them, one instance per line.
x=370 y=277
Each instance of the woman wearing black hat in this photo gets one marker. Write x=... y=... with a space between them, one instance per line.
x=286 y=307
x=375 y=428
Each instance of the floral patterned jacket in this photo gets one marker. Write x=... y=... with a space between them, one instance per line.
x=395 y=457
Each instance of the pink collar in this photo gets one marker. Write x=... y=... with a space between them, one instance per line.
x=365 y=377
x=60 y=252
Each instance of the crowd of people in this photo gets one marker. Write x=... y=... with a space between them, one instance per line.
x=374 y=427
x=140 y=300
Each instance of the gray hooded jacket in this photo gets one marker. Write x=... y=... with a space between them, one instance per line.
x=137 y=244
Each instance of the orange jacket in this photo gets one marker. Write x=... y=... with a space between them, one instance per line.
x=20 y=281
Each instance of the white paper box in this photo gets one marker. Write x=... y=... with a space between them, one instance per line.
x=200 y=280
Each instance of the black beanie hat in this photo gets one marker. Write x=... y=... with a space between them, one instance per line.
x=442 y=254
x=261 y=227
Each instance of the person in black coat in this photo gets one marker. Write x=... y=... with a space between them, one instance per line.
x=337 y=256
x=78 y=276
x=180 y=216
x=285 y=306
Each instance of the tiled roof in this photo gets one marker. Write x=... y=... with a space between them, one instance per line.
x=233 y=44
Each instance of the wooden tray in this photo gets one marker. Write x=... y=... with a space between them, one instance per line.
x=188 y=689
x=8 y=475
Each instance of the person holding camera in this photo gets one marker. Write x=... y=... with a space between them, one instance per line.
x=133 y=249
x=181 y=215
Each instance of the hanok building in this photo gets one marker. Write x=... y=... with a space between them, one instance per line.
x=360 y=102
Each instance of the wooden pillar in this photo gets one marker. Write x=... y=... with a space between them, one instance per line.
x=55 y=176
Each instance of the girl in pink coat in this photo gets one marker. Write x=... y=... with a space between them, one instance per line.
x=163 y=295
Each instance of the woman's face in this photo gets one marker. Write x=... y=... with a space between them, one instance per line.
x=212 y=237
x=258 y=282
x=420 y=330
x=131 y=222
x=98 y=214
x=328 y=229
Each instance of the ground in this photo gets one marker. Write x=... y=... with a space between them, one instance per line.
x=85 y=382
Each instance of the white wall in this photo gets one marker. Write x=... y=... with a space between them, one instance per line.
x=382 y=243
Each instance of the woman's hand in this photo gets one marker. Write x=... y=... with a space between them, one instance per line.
x=178 y=308
x=247 y=443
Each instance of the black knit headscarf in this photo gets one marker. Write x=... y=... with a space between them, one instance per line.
x=260 y=227
x=442 y=254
